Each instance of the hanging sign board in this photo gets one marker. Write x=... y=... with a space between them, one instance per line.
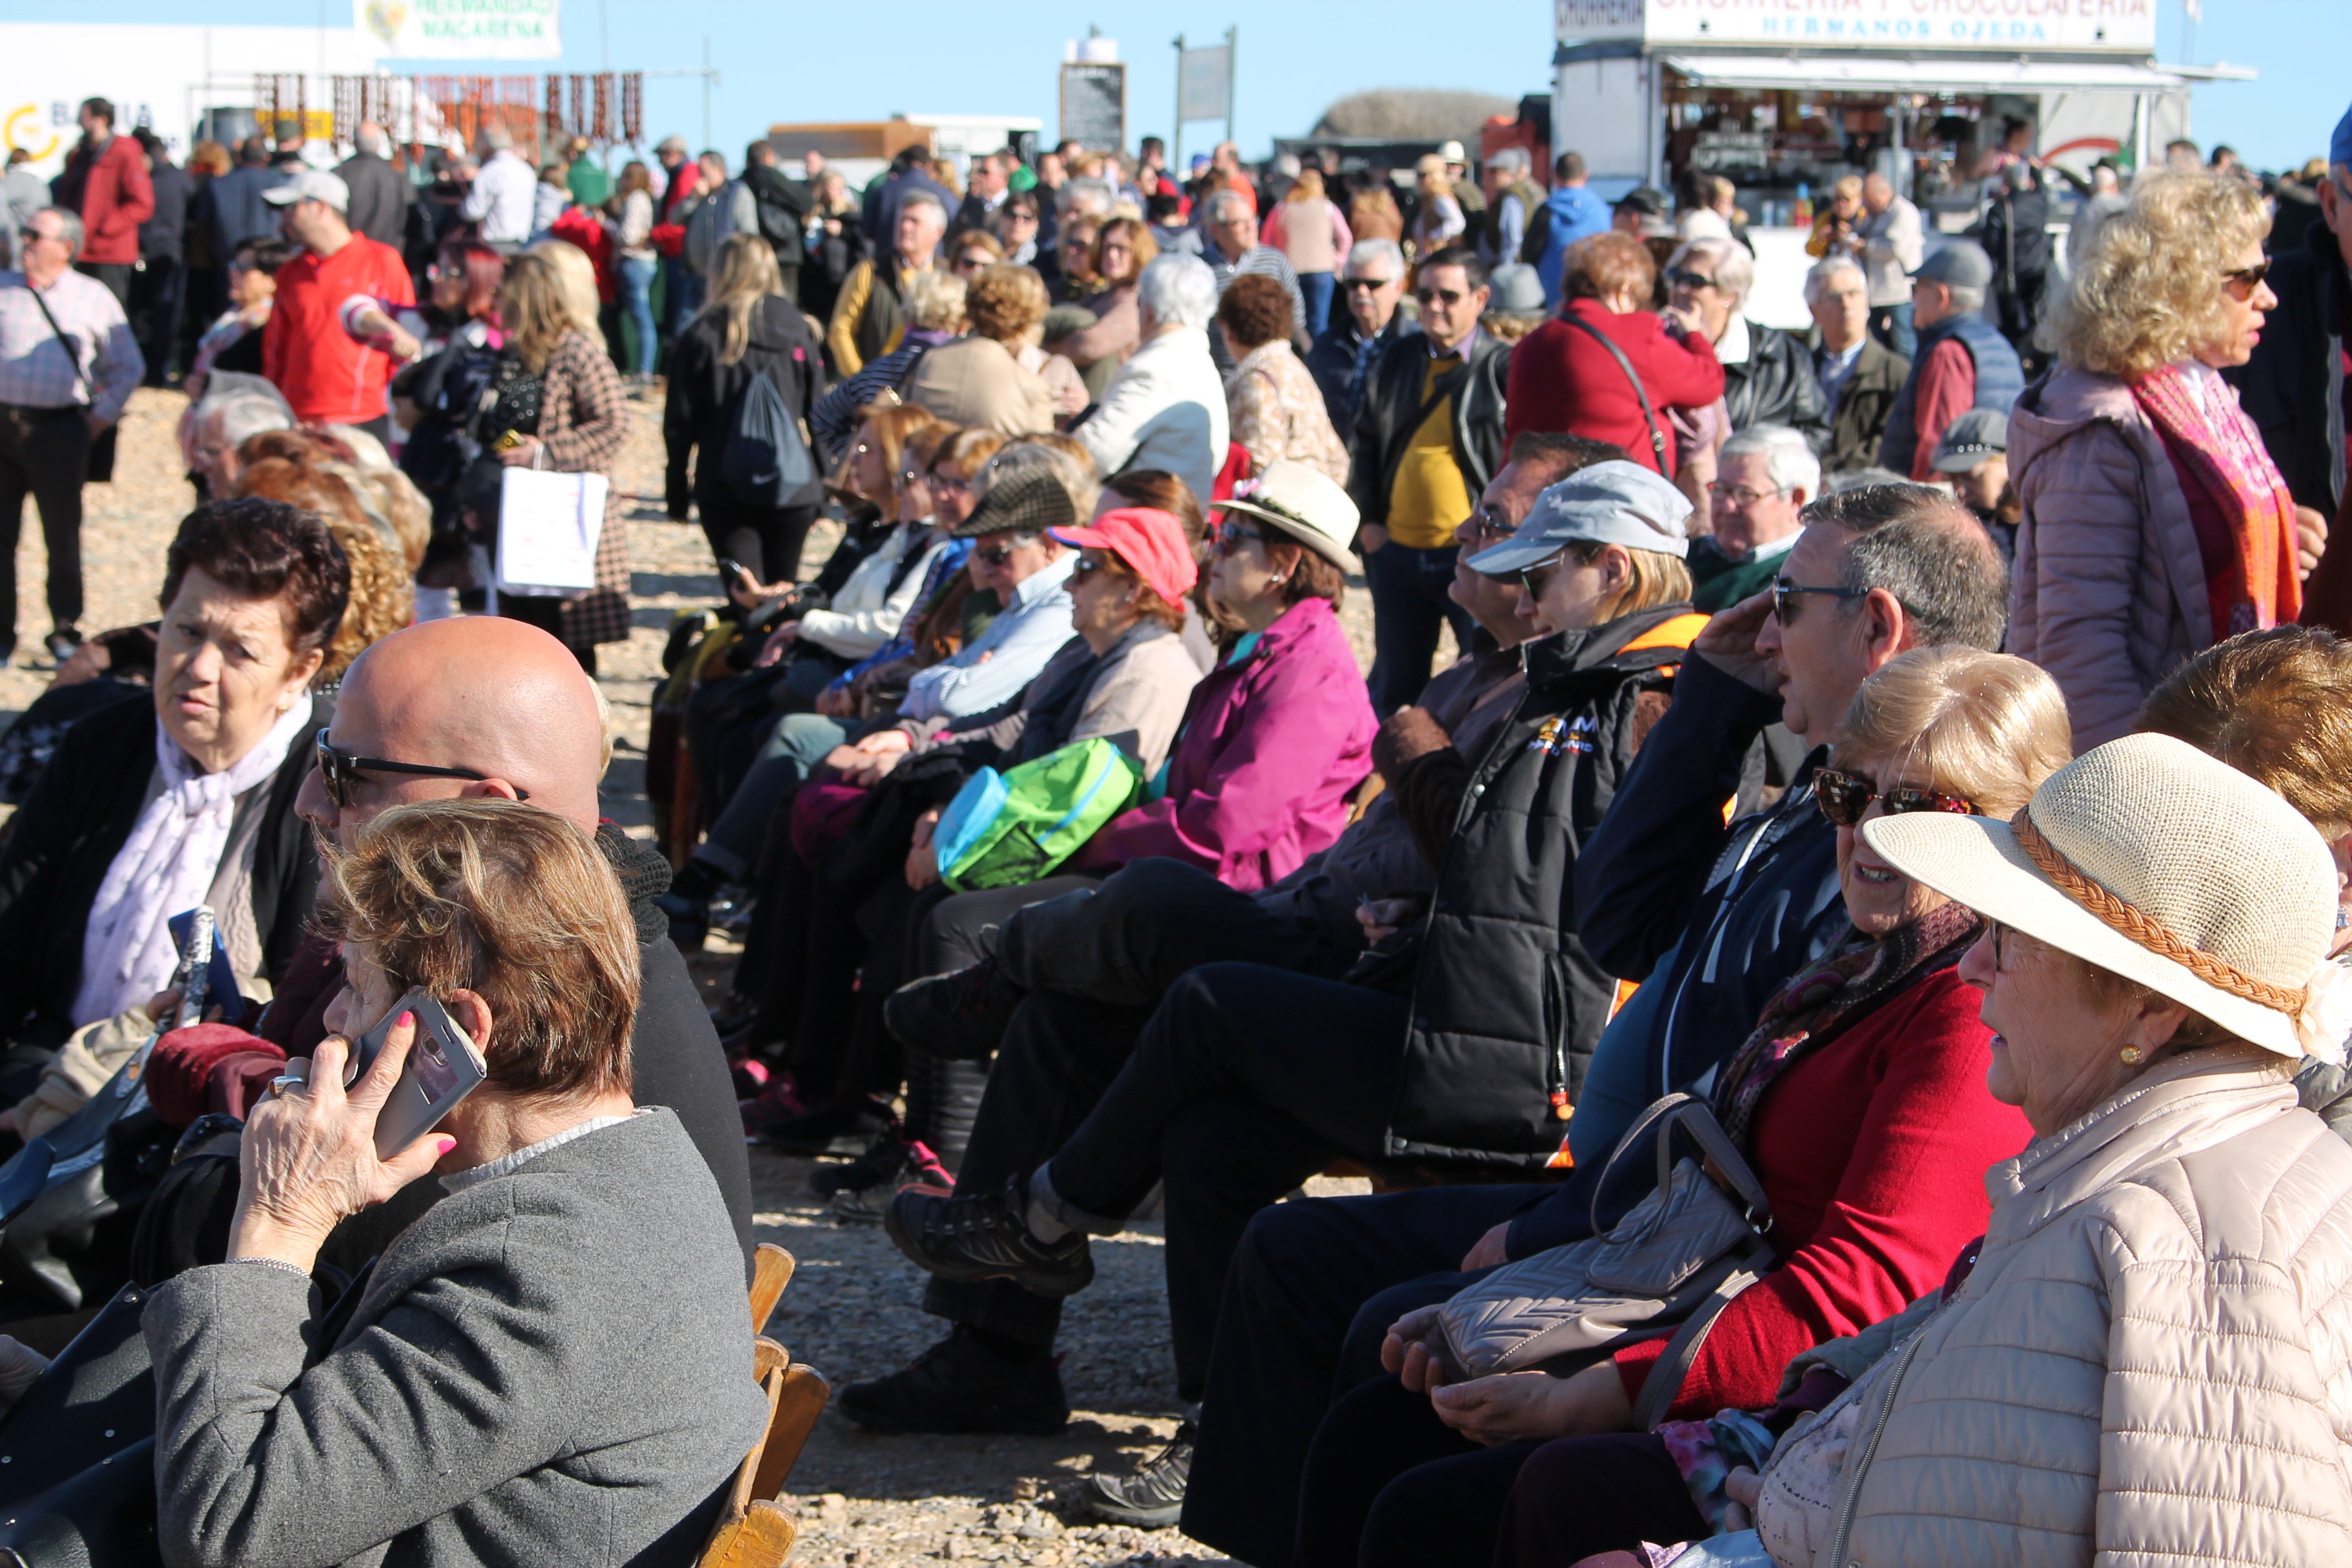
x=460 y=29
x=1204 y=83
x=1094 y=104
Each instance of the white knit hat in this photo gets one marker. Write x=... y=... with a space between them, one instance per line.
x=2150 y=859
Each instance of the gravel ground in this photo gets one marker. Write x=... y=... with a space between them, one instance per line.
x=853 y=1310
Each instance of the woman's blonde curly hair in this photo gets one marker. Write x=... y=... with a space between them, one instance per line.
x=2149 y=293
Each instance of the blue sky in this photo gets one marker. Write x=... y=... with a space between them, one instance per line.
x=790 y=60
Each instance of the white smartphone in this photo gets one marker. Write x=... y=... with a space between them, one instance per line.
x=443 y=1069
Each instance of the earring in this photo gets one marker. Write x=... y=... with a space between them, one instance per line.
x=2133 y=1055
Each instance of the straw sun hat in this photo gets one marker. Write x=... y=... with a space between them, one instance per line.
x=2148 y=858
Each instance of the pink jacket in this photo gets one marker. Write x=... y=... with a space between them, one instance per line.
x=1310 y=232
x=2109 y=591
x=1271 y=747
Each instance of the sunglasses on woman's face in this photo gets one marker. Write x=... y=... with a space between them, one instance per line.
x=1844 y=797
x=2242 y=281
x=1229 y=536
x=1683 y=277
x=1084 y=567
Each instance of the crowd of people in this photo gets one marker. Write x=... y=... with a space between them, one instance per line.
x=1835 y=983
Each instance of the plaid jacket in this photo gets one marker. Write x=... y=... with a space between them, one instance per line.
x=583 y=418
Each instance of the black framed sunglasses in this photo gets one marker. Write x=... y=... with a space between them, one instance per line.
x=1431 y=296
x=1229 y=534
x=994 y=554
x=1487 y=525
x=1368 y=285
x=1786 y=595
x=1084 y=566
x=338 y=769
x=1844 y=797
x=2244 y=280
x=1683 y=277
x=1533 y=578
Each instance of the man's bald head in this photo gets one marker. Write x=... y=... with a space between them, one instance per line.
x=495 y=696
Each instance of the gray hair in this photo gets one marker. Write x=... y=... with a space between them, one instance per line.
x=1789 y=460
x=935 y=301
x=919 y=198
x=1923 y=547
x=496 y=137
x=1735 y=273
x=1075 y=477
x=1221 y=207
x=1087 y=199
x=1817 y=276
x=374 y=140
x=70 y=228
x=242 y=415
x=1508 y=159
x=1386 y=252
x=1967 y=301
x=1178 y=291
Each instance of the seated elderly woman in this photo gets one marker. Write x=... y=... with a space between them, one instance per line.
x=979 y=380
x=553 y=1361
x=144 y=812
x=1856 y=1101
x=1276 y=409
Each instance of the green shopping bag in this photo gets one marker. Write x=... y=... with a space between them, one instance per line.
x=1003 y=829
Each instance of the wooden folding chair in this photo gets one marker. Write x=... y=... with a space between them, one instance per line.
x=753 y=1531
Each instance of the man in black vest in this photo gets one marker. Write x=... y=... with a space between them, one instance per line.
x=1963 y=361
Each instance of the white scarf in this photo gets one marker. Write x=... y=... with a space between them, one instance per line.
x=166 y=866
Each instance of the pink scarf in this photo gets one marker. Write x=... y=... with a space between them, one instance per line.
x=2242 y=512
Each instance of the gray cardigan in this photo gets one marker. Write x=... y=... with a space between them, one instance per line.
x=551 y=1366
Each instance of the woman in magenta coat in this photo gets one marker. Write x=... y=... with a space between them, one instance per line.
x=1564 y=379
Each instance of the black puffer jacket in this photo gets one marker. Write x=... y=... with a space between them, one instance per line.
x=1391 y=398
x=706 y=397
x=1505 y=1002
x=1775 y=385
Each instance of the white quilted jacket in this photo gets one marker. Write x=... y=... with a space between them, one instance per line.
x=2151 y=1364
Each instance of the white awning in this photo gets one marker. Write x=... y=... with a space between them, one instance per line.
x=1844 y=72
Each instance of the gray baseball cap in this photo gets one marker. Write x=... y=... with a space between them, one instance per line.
x=1969 y=439
x=1608 y=503
x=1515 y=289
x=1961 y=263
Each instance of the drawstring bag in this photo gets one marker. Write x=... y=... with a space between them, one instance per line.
x=1016 y=826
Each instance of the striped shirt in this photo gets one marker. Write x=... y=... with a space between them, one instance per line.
x=1264 y=261
x=37 y=370
x=1019 y=642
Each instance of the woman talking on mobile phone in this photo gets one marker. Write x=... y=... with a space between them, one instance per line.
x=551 y=1363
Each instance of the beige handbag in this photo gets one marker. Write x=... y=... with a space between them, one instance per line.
x=1669 y=1267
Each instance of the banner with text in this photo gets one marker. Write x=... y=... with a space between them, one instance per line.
x=2023 y=25
x=460 y=29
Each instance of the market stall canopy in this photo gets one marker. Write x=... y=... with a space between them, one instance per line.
x=1827 y=72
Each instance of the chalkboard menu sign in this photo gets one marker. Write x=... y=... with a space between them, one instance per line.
x=1094 y=105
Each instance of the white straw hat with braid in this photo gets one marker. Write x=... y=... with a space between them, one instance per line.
x=2148 y=858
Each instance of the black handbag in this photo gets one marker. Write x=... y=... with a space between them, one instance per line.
x=77 y=1451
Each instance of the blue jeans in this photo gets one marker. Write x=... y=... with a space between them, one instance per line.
x=1891 y=324
x=637 y=300
x=1316 y=289
x=1409 y=604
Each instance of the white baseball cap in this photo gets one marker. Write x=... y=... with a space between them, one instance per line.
x=311 y=186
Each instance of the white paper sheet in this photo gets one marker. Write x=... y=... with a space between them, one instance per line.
x=548 y=528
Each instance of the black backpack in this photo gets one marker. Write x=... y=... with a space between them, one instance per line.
x=766 y=463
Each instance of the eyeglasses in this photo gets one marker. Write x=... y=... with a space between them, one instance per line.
x=1431 y=296
x=1227 y=539
x=1368 y=285
x=2243 y=280
x=1683 y=277
x=998 y=554
x=1085 y=567
x=1739 y=496
x=1844 y=797
x=1487 y=524
x=943 y=482
x=1533 y=578
x=338 y=769
x=1785 y=592
x=910 y=478
x=1995 y=931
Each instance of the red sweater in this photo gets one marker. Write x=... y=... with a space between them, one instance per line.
x=329 y=377
x=1873 y=1151
x=1562 y=381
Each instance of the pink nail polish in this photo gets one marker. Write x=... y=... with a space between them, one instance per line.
x=407 y=1020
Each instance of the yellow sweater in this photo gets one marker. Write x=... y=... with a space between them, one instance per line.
x=1429 y=498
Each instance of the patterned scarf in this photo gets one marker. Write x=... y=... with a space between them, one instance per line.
x=1826 y=997
x=2244 y=514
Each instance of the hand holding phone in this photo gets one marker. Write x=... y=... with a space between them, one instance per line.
x=442 y=1068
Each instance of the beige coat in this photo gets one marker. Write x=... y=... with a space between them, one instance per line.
x=976 y=383
x=2151 y=1362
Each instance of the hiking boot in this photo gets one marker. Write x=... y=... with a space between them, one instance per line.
x=959 y=1016
x=962 y=1385
x=1153 y=1496
x=883 y=1160
x=986 y=1236
x=772 y=1107
x=917 y=1170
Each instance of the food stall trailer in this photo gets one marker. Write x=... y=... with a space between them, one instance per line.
x=1785 y=97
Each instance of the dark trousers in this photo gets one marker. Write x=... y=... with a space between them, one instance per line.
x=1391 y=1486
x=1408 y=605
x=43 y=453
x=1576 y=1497
x=766 y=539
x=115 y=275
x=156 y=292
x=544 y=611
x=1311 y=1292
x=1246 y=1082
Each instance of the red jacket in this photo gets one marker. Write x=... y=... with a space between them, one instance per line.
x=329 y=377
x=111 y=194
x=585 y=230
x=1562 y=381
x=1873 y=1151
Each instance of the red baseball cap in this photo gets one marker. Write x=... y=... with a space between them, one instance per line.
x=1150 y=542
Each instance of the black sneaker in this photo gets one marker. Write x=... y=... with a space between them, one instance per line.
x=958 y=1017
x=987 y=1237
x=847 y=1128
x=1153 y=1496
x=878 y=1164
x=961 y=1385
